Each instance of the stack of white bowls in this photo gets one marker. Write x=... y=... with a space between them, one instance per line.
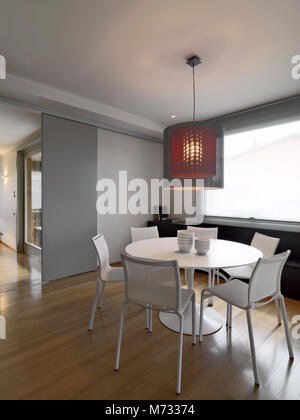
x=185 y=241
x=202 y=246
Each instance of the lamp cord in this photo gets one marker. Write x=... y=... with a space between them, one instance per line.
x=194 y=94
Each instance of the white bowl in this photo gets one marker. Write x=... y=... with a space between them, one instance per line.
x=202 y=242
x=185 y=248
x=187 y=241
x=202 y=246
x=202 y=251
x=185 y=238
x=185 y=233
x=188 y=246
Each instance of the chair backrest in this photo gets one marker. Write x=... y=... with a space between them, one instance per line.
x=266 y=244
x=205 y=233
x=141 y=234
x=102 y=252
x=152 y=282
x=266 y=278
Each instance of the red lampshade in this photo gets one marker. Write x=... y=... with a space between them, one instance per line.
x=193 y=152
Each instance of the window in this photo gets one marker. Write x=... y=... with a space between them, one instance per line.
x=36 y=190
x=262 y=175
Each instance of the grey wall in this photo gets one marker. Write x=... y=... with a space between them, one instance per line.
x=69 y=197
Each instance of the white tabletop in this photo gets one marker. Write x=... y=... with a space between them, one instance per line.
x=222 y=254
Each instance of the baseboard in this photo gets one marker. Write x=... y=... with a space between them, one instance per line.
x=116 y=264
x=33 y=252
x=8 y=246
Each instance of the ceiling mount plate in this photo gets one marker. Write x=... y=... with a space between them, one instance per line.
x=193 y=61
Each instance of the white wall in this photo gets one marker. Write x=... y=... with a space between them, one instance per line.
x=142 y=159
x=8 y=203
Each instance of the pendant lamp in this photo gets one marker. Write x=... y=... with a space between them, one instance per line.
x=195 y=150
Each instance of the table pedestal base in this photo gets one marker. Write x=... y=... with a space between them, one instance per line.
x=213 y=322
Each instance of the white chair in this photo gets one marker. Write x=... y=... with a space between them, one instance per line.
x=141 y=234
x=266 y=244
x=207 y=233
x=265 y=283
x=107 y=274
x=156 y=285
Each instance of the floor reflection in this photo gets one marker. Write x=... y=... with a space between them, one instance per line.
x=17 y=270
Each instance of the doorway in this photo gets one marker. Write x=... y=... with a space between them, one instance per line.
x=20 y=161
x=33 y=202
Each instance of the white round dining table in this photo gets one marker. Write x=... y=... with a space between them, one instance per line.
x=222 y=254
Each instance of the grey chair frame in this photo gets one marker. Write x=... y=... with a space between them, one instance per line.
x=252 y=304
x=174 y=310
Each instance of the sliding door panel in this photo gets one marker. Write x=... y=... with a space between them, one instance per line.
x=69 y=179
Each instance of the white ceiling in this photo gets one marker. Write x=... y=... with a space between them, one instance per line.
x=16 y=125
x=129 y=54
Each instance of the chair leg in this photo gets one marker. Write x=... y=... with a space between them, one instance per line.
x=120 y=336
x=278 y=311
x=221 y=276
x=252 y=345
x=101 y=296
x=147 y=317
x=194 y=318
x=228 y=315
x=92 y=319
x=201 y=318
x=211 y=280
x=150 y=312
x=286 y=327
x=179 y=368
x=186 y=277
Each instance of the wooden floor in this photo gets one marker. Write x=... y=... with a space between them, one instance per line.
x=49 y=354
x=17 y=270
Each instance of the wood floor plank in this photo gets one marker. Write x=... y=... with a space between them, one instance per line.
x=49 y=354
